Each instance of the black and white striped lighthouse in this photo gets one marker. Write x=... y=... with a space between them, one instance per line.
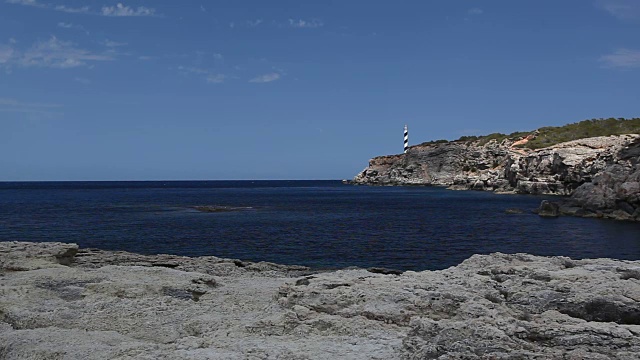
x=406 y=139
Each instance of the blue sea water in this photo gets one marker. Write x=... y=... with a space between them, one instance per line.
x=322 y=224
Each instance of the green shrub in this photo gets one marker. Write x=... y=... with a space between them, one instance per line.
x=551 y=135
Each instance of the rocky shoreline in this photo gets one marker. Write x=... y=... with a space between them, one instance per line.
x=599 y=175
x=62 y=302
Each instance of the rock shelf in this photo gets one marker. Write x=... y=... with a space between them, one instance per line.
x=61 y=302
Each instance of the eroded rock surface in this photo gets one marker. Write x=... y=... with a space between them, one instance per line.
x=614 y=192
x=489 y=307
x=499 y=167
x=601 y=173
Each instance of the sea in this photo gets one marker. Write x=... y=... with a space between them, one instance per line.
x=321 y=224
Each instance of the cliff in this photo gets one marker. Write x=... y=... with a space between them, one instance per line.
x=61 y=302
x=507 y=167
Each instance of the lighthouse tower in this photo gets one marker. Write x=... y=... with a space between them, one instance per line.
x=406 y=139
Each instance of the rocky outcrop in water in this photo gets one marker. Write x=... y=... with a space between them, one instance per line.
x=499 y=167
x=613 y=193
x=117 y=305
x=599 y=172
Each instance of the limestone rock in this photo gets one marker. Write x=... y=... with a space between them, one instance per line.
x=548 y=209
x=601 y=173
x=22 y=256
x=494 y=306
x=614 y=192
x=498 y=167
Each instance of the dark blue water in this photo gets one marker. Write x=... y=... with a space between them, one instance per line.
x=321 y=224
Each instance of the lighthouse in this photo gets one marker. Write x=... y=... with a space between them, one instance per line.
x=406 y=139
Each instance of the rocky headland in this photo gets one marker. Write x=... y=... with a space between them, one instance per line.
x=599 y=175
x=61 y=302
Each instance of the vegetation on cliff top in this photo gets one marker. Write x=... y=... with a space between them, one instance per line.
x=551 y=135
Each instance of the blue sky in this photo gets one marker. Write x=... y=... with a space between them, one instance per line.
x=144 y=90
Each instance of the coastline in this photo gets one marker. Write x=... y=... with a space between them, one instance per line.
x=600 y=176
x=63 y=302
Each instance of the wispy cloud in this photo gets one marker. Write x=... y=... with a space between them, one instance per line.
x=112 y=44
x=33 y=3
x=123 y=10
x=266 y=78
x=80 y=10
x=622 y=9
x=209 y=76
x=82 y=80
x=254 y=23
x=622 y=59
x=475 y=11
x=299 y=23
x=6 y=54
x=72 y=26
x=118 y=10
x=216 y=78
x=53 y=53
x=13 y=105
x=40 y=5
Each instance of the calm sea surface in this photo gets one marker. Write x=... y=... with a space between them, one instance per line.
x=323 y=224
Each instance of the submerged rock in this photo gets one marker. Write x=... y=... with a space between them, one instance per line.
x=494 y=306
x=220 y=208
x=548 y=209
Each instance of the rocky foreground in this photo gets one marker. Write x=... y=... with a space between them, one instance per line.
x=61 y=302
x=600 y=174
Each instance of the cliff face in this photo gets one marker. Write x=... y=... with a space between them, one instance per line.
x=613 y=193
x=601 y=173
x=498 y=167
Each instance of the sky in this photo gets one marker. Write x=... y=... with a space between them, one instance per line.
x=213 y=90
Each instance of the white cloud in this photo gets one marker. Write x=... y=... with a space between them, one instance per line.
x=118 y=10
x=314 y=23
x=202 y=9
x=622 y=59
x=6 y=54
x=13 y=105
x=193 y=70
x=475 y=11
x=254 y=23
x=13 y=41
x=82 y=80
x=266 y=78
x=63 y=8
x=111 y=44
x=122 y=10
x=622 y=9
x=33 y=3
x=72 y=26
x=208 y=75
x=218 y=56
x=80 y=10
x=216 y=78
x=52 y=53
x=232 y=25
